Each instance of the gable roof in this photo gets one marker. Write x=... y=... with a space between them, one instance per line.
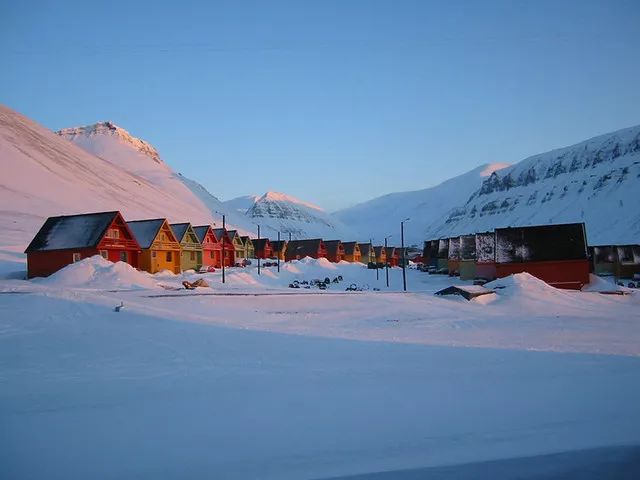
x=72 y=231
x=146 y=231
x=379 y=250
x=260 y=243
x=246 y=240
x=233 y=234
x=332 y=246
x=365 y=249
x=201 y=232
x=391 y=251
x=278 y=245
x=180 y=230
x=304 y=248
x=349 y=247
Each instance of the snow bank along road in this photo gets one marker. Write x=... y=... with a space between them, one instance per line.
x=305 y=386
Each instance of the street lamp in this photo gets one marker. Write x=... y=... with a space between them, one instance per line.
x=404 y=257
x=372 y=250
x=386 y=264
x=258 y=256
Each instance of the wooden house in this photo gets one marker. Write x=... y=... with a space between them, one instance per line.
x=367 y=253
x=248 y=247
x=240 y=250
x=211 y=249
x=298 y=249
x=392 y=256
x=443 y=255
x=352 y=252
x=430 y=253
x=486 y=255
x=380 y=256
x=67 y=239
x=335 y=250
x=190 y=246
x=228 y=247
x=467 y=257
x=160 y=249
x=620 y=261
x=279 y=249
x=556 y=254
x=262 y=248
x=453 y=259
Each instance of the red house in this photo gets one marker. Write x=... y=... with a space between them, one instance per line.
x=392 y=256
x=298 y=249
x=556 y=254
x=223 y=238
x=262 y=248
x=211 y=249
x=335 y=250
x=70 y=238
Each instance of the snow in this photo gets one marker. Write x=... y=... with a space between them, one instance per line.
x=251 y=379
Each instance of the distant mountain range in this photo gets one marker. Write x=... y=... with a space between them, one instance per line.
x=103 y=167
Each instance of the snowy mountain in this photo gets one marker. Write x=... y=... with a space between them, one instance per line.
x=289 y=215
x=596 y=181
x=241 y=204
x=45 y=174
x=381 y=216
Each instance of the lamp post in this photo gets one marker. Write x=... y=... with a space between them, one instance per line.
x=386 y=264
x=404 y=257
x=278 y=252
x=257 y=256
x=224 y=231
x=373 y=251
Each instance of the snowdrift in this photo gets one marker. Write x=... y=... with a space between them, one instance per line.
x=97 y=273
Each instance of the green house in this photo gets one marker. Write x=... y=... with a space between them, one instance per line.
x=238 y=245
x=248 y=247
x=190 y=246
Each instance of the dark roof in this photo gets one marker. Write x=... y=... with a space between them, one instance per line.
x=365 y=248
x=180 y=229
x=278 y=245
x=260 y=243
x=201 y=231
x=332 y=246
x=232 y=234
x=146 y=231
x=378 y=250
x=391 y=251
x=304 y=248
x=218 y=233
x=349 y=247
x=71 y=231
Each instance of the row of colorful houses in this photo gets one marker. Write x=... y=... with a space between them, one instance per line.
x=556 y=254
x=154 y=245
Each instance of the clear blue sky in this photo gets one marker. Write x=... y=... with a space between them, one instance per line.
x=333 y=101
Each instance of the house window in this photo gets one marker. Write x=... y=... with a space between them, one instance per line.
x=193 y=256
x=169 y=257
x=210 y=253
x=104 y=254
x=124 y=257
x=153 y=254
x=76 y=257
x=113 y=233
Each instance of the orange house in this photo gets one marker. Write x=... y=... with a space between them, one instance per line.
x=160 y=248
x=351 y=251
x=335 y=250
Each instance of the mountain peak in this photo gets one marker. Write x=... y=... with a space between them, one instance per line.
x=110 y=129
x=281 y=197
x=489 y=168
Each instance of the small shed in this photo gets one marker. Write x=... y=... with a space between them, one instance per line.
x=211 y=249
x=556 y=254
x=190 y=246
x=262 y=248
x=352 y=252
x=367 y=253
x=279 y=249
x=67 y=239
x=453 y=260
x=159 y=245
x=223 y=238
x=467 y=291
x=467 y=257
x=380 y=255
x=486 y=256
x=298 y=249
x=392 y=256
x=443 y=255
x=620 y=261
x=335 y=250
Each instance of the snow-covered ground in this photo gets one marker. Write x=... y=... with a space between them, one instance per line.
x=252 y=379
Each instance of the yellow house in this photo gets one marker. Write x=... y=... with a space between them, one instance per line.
x=352 y=252
x=367 y=254
x=279 y=249
x=238 y=245
x=190 y=246
x=159 y=246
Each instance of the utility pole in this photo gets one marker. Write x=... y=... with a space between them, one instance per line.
x=258 y=255
x=386 y=265
x=373 y=251
x=224 y=254
x=278 y=253
x=404 y=257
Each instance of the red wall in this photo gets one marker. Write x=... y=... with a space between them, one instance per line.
x=569 y=274
x=486 y=270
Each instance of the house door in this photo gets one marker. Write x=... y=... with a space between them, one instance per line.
x=124 y=257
